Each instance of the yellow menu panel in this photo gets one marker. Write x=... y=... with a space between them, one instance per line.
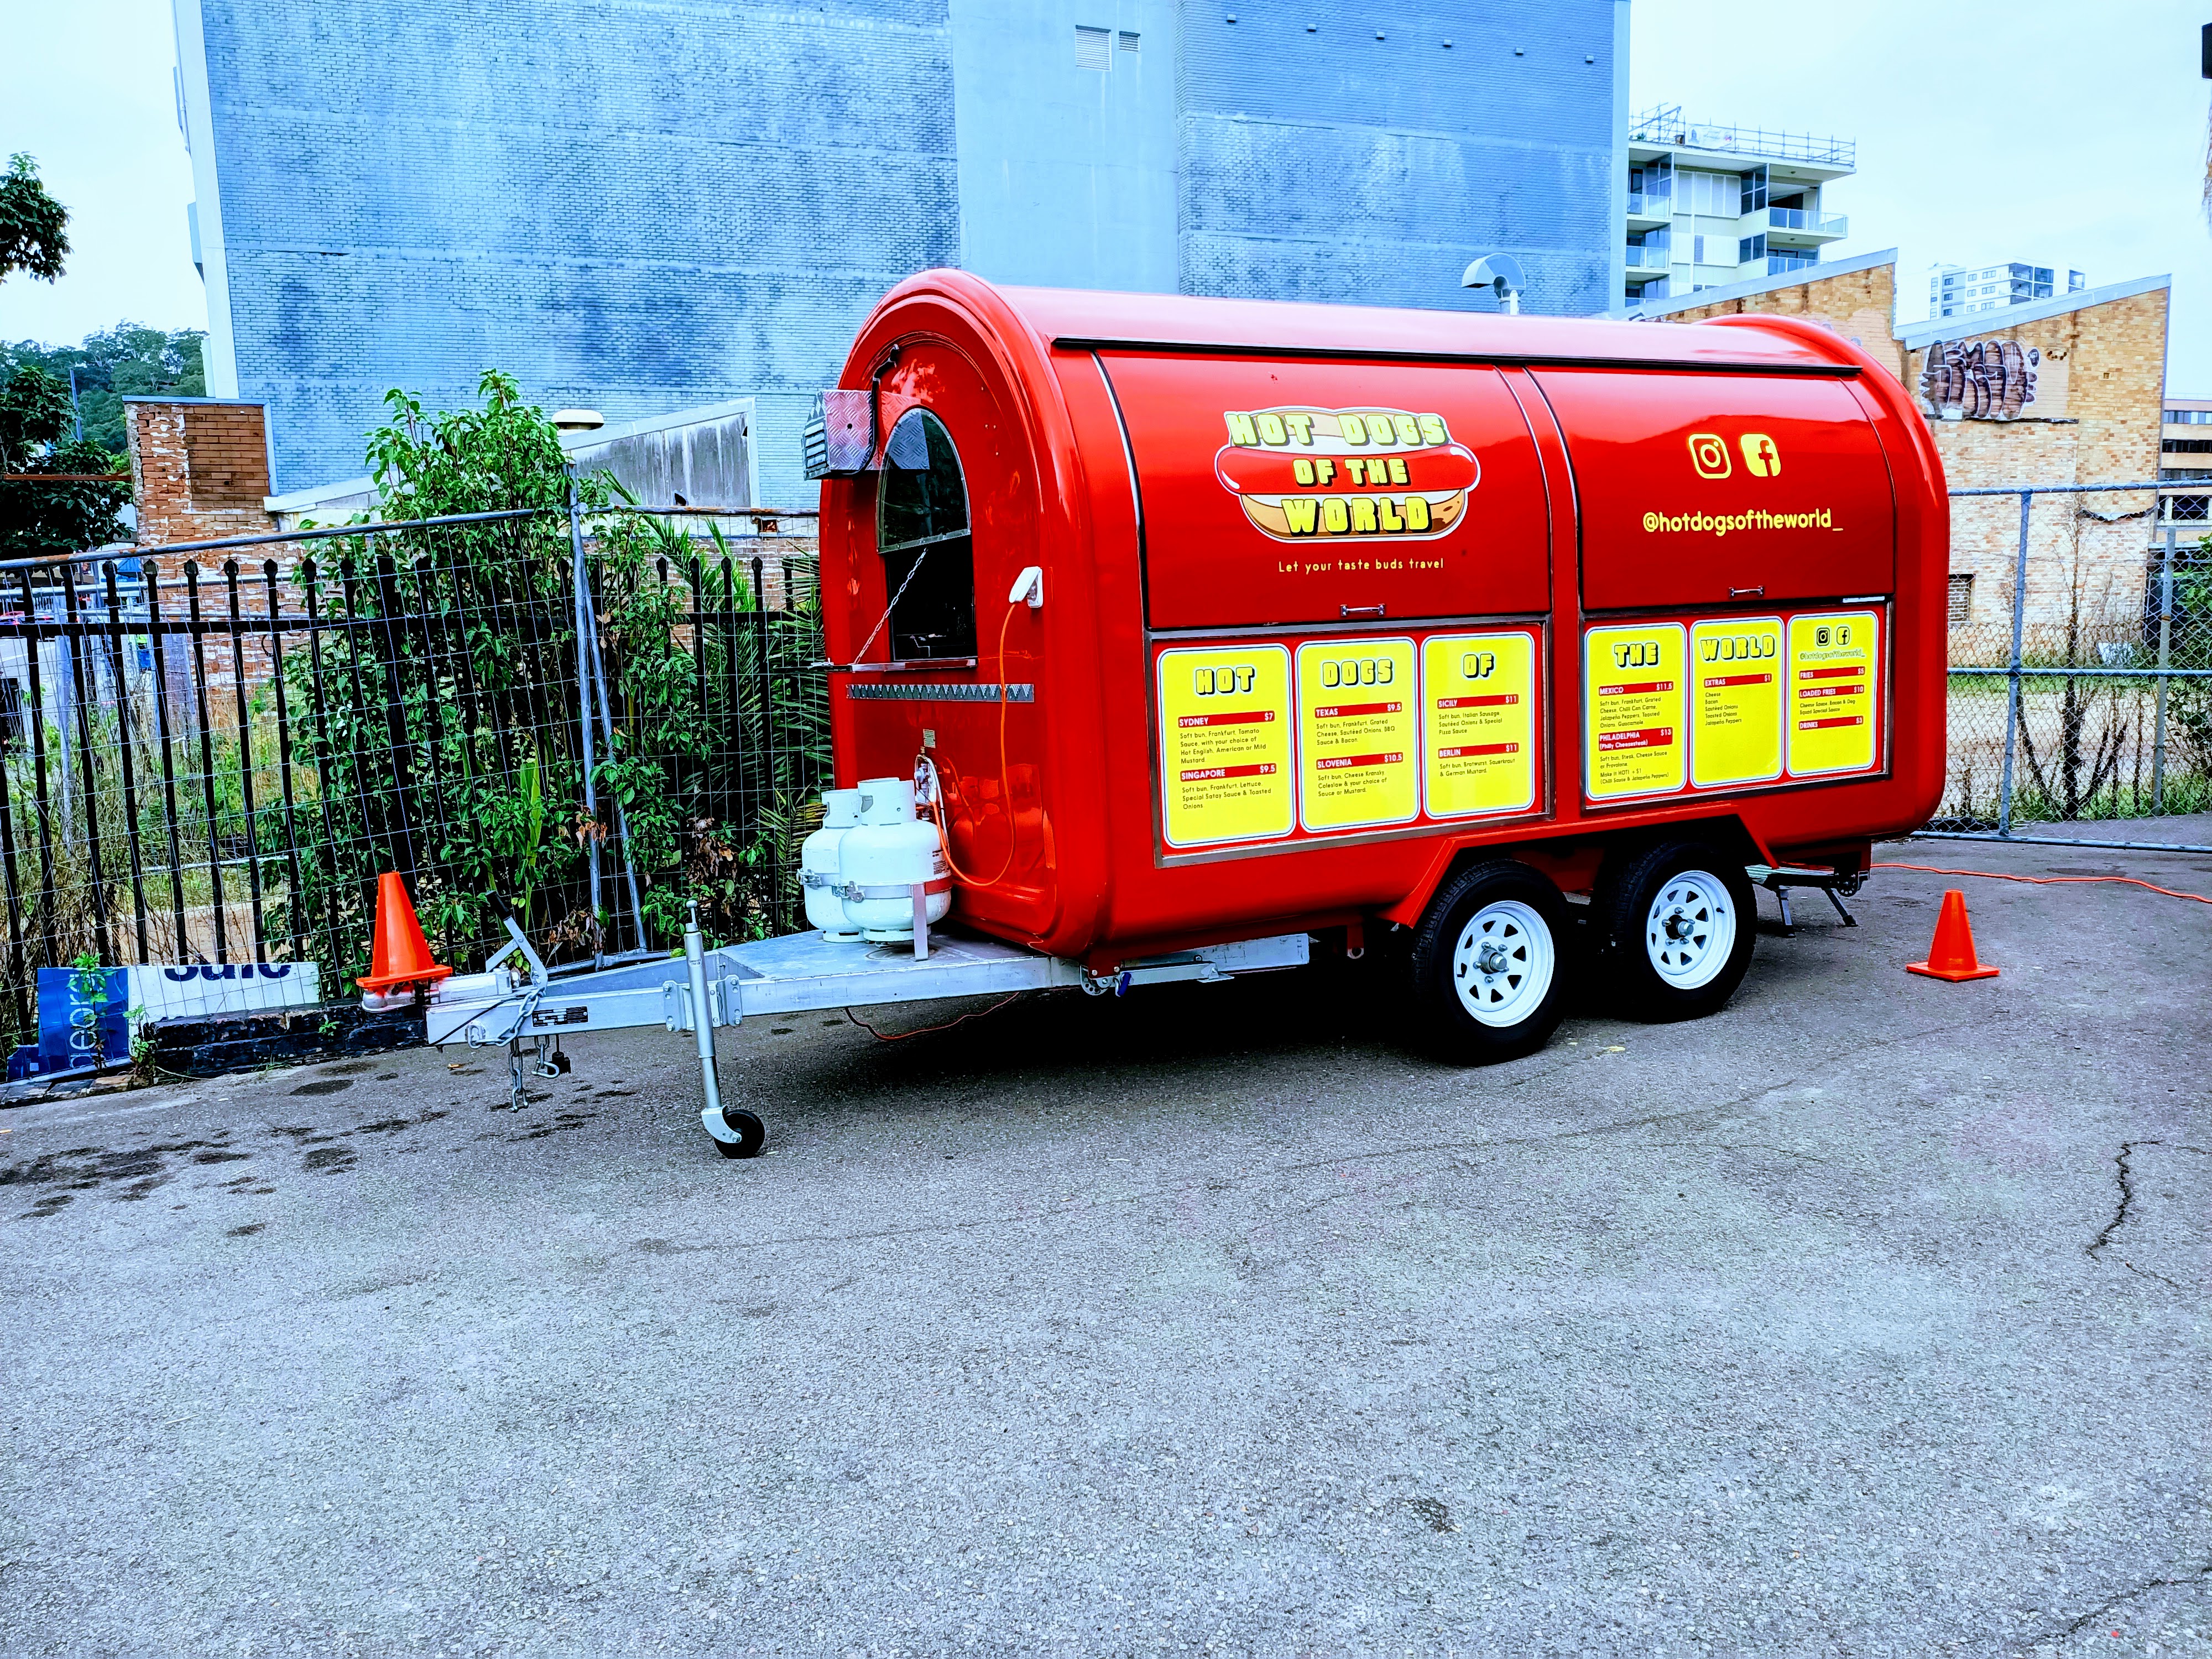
x=1632 y=710
x=1225 y=743
x=1357 y=733
x=1833 y=689
x=1735 y=700
x=1478 y=724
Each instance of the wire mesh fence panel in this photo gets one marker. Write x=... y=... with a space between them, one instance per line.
x=2081 y=686
x=209 y=754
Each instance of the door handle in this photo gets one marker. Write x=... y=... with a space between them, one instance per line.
x=1759 y=593
x=1346 y=612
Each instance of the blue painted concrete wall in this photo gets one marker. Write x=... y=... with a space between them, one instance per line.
x=1068 y=174
x=1367 y=154
x=646 y=208
x=638 y=208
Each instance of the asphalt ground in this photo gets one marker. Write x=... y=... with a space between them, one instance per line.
x=1867 y=1317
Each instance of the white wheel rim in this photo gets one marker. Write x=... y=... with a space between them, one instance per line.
x=1689 y=932
x=1502 y=965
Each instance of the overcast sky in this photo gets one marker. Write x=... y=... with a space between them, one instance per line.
x=2065 y=132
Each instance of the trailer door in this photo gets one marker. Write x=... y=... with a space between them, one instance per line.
x=1697 y=489
x=1289 y=490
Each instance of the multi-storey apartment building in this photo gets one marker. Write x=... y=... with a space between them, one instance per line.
x=1957 y=291
x=1712 y=204
x=2184 y=462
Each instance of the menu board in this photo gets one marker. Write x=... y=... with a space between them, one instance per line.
x=1225 y=743
x=1478 y=724
x=1633 y=706
x=1358 y=734
x=1833 y=715
x=1735 y=702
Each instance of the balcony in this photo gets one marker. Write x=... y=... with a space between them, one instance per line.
x=1652 y=209
x=1651 y=261
x=1803 y=228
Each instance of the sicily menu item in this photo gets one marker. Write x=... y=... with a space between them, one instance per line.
x=1833 y=656
x=1358 y=734
x=1735 y=702
x=1632 y=710
x=1225 y=743
x=1478 y=724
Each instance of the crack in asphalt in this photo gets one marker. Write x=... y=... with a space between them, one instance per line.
x=2125 y=1174
x=2194 y=1575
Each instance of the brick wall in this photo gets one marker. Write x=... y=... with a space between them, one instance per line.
x=198 y=470
x=2101 y=388
x=1858 y=305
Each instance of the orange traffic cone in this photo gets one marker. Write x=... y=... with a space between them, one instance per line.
x=1952 y=956
x=401 y=955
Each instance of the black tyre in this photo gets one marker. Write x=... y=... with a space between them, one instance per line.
x=752 y=1134
x=1486 y=964
x=1676 y=922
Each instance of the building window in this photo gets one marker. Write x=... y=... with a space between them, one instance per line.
x=923 y=534
x=1129 y=42
x=1750 y=247
x=1961 y=609
x=2185 y=446
x=1094 y=48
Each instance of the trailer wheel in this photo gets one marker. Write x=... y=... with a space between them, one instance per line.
x=1486 y=963
x=1678 y=919
x=752 y=1134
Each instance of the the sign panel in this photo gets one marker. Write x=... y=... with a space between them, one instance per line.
x=1633 y=704
x=1735 y=702
x=1225 y=743
x=1834 y=663
x=1478 y=724
x=1358 y=734
x=1277 y=491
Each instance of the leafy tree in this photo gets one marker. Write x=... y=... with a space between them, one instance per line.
x=33 y=237
x=131 y=359
x=37 y=517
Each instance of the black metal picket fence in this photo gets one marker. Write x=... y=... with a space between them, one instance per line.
x=209 y=753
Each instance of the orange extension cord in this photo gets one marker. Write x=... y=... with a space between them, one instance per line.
x=2045 y=881
x=1005 y=794
x=901 y=1036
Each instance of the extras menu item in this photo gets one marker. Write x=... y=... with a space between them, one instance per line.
x=1633 y=704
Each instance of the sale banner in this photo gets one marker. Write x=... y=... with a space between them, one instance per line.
x=1834 y=692
x=1633 y=702
x=1735 y=700
x=1225 y=743
x=1478 y=724
x=1358 y=734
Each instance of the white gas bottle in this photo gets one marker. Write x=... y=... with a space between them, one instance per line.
x=818 y=864
x=883 y=856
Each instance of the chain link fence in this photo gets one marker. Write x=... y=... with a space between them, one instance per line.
x=2081 y=688
x=209 y=752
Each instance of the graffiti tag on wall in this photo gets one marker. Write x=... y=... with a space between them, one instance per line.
x=1988 y=380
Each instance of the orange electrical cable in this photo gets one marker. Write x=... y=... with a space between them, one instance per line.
x=2045 y=881
x=1006 y=792
x=901 y=1036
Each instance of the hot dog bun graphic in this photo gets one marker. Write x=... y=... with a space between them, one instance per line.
x=1304 y=474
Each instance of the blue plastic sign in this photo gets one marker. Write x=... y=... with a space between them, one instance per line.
x=85 y=1017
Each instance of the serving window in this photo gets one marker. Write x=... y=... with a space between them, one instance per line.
x=924 y=535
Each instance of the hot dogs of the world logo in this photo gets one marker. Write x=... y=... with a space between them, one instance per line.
x=1366 y=474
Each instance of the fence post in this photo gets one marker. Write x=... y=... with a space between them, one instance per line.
x=582 y=608
x=2012 y=702
x=2165 y=663
x=391 y=628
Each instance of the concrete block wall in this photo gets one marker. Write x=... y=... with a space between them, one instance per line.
x=639 y=209
x=1367 y=154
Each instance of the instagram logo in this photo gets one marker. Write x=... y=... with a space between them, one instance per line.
x=1709 y=453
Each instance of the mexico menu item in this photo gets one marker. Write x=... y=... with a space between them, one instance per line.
x=1357 y=733
x=1225 y=743
x=1834 y=656
x=1478 y=724
x=1632 y=710
x=1735 y=700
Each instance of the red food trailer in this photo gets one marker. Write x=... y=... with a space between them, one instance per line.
x=1355 y=617
x=1214 y=626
